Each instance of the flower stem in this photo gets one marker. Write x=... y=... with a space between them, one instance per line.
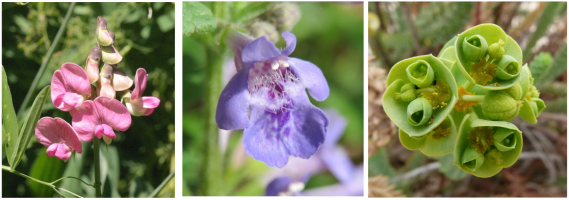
x=97 y=166
x=46 y=59
x=51 y=185
x=161 y=186
x=213 y=169
x=468 y=85
x=472 y=97
x=427 y=89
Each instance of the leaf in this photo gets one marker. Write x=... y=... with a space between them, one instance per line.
x=47 y=169
x=29 y=126
x=166 y=21
x=449 y=170
x=552 y=9
x=197 y=18
x=539 y=67
x=379 y=164
x=9 y=119
x=252 y=10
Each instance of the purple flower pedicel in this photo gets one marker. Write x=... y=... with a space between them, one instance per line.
x=267 y=98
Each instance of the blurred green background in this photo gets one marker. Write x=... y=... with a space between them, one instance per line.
x=139 y=159
x=330 y=35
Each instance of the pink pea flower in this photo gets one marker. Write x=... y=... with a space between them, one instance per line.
x=99 y=118
x=69 y=87
x=58 y=136
x=137 y=104
x=112 y=80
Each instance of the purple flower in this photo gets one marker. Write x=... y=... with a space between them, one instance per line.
x=267 y=98
x=286 y=186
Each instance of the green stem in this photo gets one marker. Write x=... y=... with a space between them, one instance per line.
x=51 y=185
x=468 y=85
x=427 y=89
x=472 y=97
x=161 y=186
x=97 y=166
x=213 y=169
x=46 y=59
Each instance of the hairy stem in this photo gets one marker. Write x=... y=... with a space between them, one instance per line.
x=213 y=180
x=46 y=59
x=97 y=165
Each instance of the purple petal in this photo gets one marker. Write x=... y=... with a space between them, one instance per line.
x=238 y=42
x=278 y=185
x=312 y=78
x=233 y=103
x=336 y=129
x=272 y=137
x=259 y=50
x=338 y=163
x=290 y=43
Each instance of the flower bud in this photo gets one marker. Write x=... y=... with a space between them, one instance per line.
x=408 y=92
x=260 y=29
x=121 y=81
x=496 y=50
x=472 y=159
x=421 y=74
x=419 y=112
x=105 y=87
x=92 y=64
x=508 y=68
x=504 y=139
x=110 y=55
x=534 y=93
x=474 y=48
x=285 y=15
x=502 y=105
x=104 y=37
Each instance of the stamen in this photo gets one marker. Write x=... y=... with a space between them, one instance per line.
x=275 y=65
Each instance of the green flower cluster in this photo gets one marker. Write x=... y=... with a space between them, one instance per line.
x=460 y=102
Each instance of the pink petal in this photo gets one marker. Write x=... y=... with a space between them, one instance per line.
x=105 y=88
x=135 y=107
x=58 y=88
x=121 y=82
x=148 y=111
x=51 y=149
x=150 y=102
x=92 y=70
x=105 y=130
x=139 y=83
x=56 y=130
x=63 y=152
x=113 y=113
x=72 y=99
x=85 y=120
x=76 y=78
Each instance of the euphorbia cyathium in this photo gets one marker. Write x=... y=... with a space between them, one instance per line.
x=461 y=101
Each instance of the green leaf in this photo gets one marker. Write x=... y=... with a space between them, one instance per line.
x=10 y=121
x=47 y=169
x=252 y=10
x=29 y=126
x=450 y=170
x=552 y=9
x=379 y=164
x=197 y=18
x=539 y=67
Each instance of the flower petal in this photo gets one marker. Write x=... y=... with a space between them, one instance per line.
x=58 y=89
x=278 y=185
x=150 y=102
x=290 y=43
x=233 y=104
x=56 y=130
x=148 y=111
x=237 y=42
x=297 y=131
x=336 y=129
x=139 y=83
x=51 y=149
x=75 y=78
x=63 y=152
x=104 y=130
x=85 y=119
x=312 y=78
x=72 y=99
x=259 y=50
x=338 y=163
x=113 y=113
x=121 y=81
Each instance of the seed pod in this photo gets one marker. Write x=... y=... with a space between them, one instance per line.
x=508 y=68
x=408 y=92
x=420 y=73
x=474 y=48
x=502 y=105
x=496 y=50
x=419 y=112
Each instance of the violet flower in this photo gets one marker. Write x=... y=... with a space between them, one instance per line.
x=286 y=186
x=69 y=87
x=267 y=98
x=99 y=118
x=137 y=104
x=58 y=136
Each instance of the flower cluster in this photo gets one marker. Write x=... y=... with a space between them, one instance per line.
x=89 y=96
x=267 y=98
x=461 y=101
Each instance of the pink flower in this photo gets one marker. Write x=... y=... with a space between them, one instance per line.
x=58 y=136
x=69 y=87
x=112 y=80
x=99 y=118
x=137 y=104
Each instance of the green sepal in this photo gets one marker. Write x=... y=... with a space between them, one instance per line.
x=503 y=139
x=429 y=145
x=530 y=113
x=508 y=68
x=525 y=79
x=488 y=169
x=471 y=159
x=419 y=112
x=448 y=54
x=474 y=48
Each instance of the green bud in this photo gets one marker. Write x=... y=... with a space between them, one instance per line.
x=471 y=159
x=501 y=105
x=534 y=93
x=504 y=139
x=474 y=48
x=408 y=86
x=285 y=16
x=421 y=74
x=419 y=112
x=496 y=50
x=408 y=95
x=260 y=29
x=508 y=68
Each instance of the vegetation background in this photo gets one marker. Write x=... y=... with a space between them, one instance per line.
x=140 y=158
x=402 y=30
x=330 y=35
